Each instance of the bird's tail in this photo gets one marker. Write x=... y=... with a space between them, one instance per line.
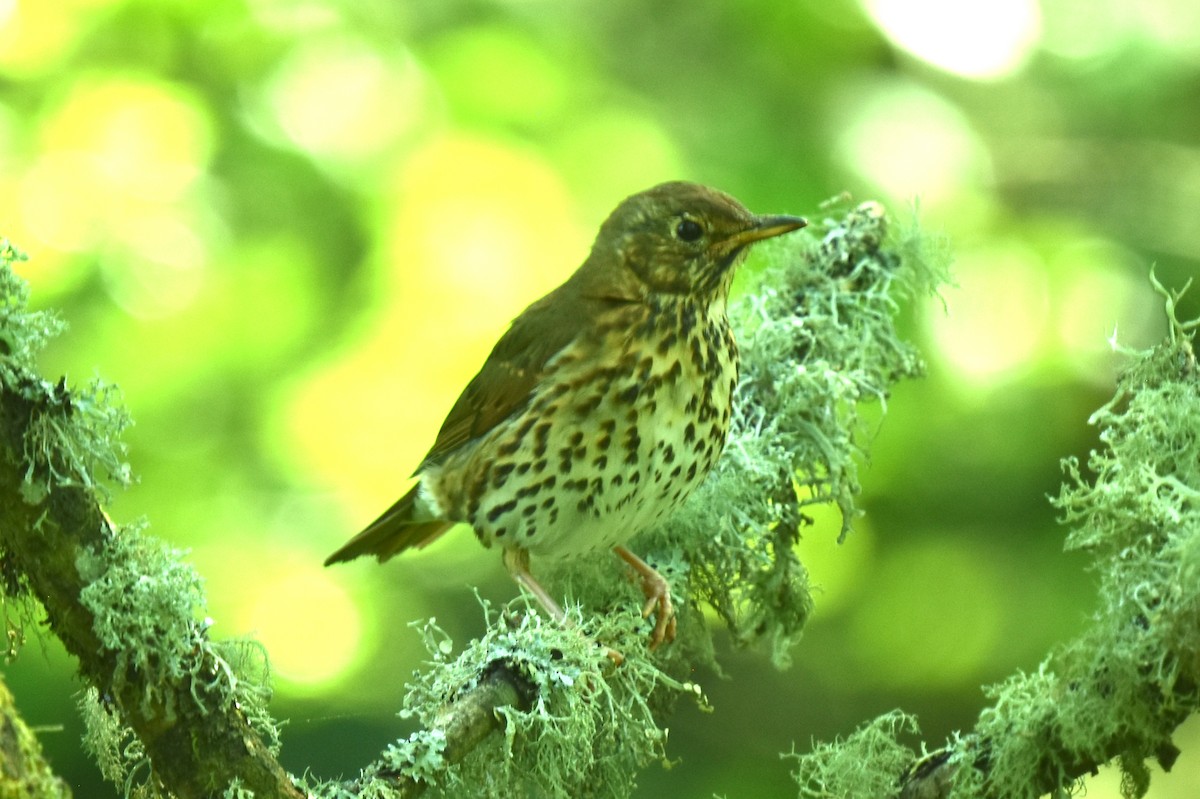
x=392 y=533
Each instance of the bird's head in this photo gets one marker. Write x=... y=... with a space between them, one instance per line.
x=680 y=239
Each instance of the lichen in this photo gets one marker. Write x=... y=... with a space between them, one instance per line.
x=144 y=599
x=589 y=730
x=75 y=439
x=23 y=333
x=148 y=608
x=868 y=763
x=1118 y=690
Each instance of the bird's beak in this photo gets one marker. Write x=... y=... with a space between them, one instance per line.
x=764 y=227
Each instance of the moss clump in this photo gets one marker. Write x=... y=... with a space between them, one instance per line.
x=76 y=438
x=867 y=763
x=1118 y=691
x=587 y=729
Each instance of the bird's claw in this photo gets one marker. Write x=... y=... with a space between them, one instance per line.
x=658 y=598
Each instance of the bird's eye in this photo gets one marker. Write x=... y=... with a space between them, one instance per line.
x=688 y=230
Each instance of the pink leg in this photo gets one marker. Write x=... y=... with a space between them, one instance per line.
x=658 y=595
x=517 y=562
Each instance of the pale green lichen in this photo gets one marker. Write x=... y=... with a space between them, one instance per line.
x=23 y=333
x=868 y=763
x=114 y=747
x=144 y=599
x=76 y=441
x=1117 y=691
x=148 y=607
x=76 y=438
x=589 y=729
x=146 y=602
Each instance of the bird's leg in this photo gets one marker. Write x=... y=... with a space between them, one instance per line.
x=516 y=560
x=658 y=595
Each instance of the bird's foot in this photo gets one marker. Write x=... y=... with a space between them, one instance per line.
x=658 y=597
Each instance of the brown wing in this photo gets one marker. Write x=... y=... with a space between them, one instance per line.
x=502 y=387
x=506 y=381
x=393 y=532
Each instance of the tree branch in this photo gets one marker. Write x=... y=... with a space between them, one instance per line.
x=24 y=772
x=190 y=731
x=1121 y=688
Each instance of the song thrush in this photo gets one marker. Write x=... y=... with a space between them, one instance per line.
x=602 y=407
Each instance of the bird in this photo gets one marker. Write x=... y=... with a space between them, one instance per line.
x=602 y=407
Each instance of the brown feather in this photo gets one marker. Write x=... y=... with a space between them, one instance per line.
x=516 y=364
x=393 y=532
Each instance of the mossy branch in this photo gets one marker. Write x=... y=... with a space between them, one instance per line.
x=1119 y=690
x=24 y=772
x=172 y=712
x=122 y=605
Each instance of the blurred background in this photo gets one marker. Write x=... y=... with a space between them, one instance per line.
x=291 y=230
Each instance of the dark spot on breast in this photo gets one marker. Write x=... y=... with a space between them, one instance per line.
x=687 y=320
x=689 y=433
x=540 y=438
x=588 y=406
x=630 y=395
x=601 y=462
x=500 y=532
x=501 y=509
x=528 y=422
x=528 y=510
x=712 y=334
x=603 y=441
x=669 y=454
x=691 y=473
x=539 y=466
x=698 y=355
x=667 y=342
x=500 y=474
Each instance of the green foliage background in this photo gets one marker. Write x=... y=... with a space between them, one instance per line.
x=291 y=231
